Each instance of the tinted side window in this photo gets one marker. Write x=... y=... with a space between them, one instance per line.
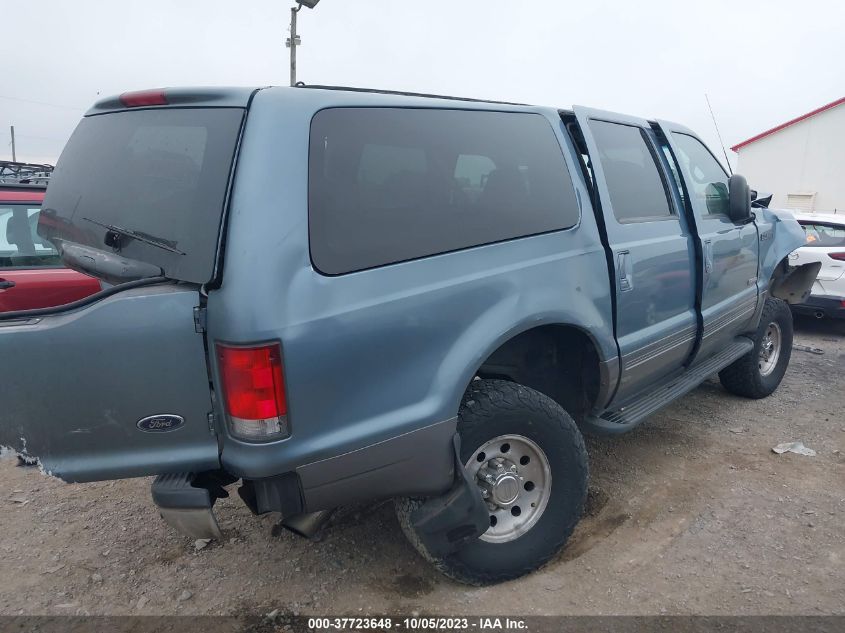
x=633 y=180
x=387 y=185
x=706 y=181
x=20 y=244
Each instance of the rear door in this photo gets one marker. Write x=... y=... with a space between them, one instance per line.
x=120 y=387
x=31 y=273
x=730 y=251
x=651 y=248
x=117 y=389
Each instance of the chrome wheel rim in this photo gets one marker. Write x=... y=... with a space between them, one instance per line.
x=515 y=480
x=770 y=348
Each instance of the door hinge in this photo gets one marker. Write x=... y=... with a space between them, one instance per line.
x=211 y=419
x=199 y=319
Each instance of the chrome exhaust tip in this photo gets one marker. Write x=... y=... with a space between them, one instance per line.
x=819 y=314
x=307 y=525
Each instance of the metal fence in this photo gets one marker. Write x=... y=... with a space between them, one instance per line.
x=24 y=173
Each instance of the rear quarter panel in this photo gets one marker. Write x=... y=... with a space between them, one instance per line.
x=374 y=354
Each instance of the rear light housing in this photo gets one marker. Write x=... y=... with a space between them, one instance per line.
x=143 y=98
x=837 y=256
x=254 y=391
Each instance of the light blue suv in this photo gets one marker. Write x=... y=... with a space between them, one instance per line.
x=334 y=295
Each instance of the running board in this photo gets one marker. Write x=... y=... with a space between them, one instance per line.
x=625 y=418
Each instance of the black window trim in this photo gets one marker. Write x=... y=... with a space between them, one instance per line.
x=824 y=223
x=561 y=145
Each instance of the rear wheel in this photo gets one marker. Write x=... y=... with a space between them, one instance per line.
x=758 y=373
x=527 y=457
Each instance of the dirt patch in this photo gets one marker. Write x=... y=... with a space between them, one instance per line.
x=690 y=513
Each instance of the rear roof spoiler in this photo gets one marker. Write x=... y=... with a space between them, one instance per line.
x=176 y=97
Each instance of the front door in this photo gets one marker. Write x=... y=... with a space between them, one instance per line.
x=729 y=250
x=651 y=248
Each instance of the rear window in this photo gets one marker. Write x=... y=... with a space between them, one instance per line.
x=20 y=244
x=162 y=174
x=823 y=235
x=388 y=185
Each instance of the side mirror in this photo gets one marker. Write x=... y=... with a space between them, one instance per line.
x=739 y=197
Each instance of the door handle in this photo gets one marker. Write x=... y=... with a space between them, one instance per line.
x=5 y=285
x=623 y=268
x=708 y=256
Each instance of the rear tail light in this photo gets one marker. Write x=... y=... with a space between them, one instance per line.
x=837 y=256
x=254 y=391
x=143 y=98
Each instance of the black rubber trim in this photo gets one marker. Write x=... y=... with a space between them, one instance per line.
x=402 y=94
x=274 y=494
x=445 y=523
x=80 y=303
x=176 y=491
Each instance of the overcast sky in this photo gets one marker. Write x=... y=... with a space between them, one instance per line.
x=761 y=61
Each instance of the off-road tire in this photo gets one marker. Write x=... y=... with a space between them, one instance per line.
x=743 y=377
x=491 y=408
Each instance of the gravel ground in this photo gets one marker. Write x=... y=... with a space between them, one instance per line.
x=692 y=513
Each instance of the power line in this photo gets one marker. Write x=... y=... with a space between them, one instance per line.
x=43 y=103
x=41 y=138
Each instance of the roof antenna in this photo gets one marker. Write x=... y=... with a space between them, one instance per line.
x=719 y=134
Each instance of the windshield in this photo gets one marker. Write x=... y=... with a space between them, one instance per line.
x=149 y=185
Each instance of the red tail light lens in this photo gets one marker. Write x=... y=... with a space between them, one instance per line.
x=143 y=98
x=254 y=391
x=837 y=256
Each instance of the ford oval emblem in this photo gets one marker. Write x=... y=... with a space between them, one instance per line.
x=161 y=423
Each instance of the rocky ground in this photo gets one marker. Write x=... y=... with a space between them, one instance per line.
x=692 y=513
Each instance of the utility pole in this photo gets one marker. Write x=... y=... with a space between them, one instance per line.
x=292 y=41
x=14 y=154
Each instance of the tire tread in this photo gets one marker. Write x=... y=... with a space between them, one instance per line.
x=482 y=399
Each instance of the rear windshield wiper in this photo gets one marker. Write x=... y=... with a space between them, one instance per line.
x=141 y=237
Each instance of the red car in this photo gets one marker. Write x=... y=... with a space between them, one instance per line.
x=31 y=274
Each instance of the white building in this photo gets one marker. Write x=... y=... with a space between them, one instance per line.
x=802 y=161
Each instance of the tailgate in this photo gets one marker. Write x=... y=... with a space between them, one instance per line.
x=116 y=389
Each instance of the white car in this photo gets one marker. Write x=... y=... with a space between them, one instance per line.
x=826 y=244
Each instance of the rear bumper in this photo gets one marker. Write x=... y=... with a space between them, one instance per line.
x=822 y=306
x=419 y=463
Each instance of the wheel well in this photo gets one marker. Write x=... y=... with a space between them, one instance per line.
x=559 y=361
x=793 y=283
